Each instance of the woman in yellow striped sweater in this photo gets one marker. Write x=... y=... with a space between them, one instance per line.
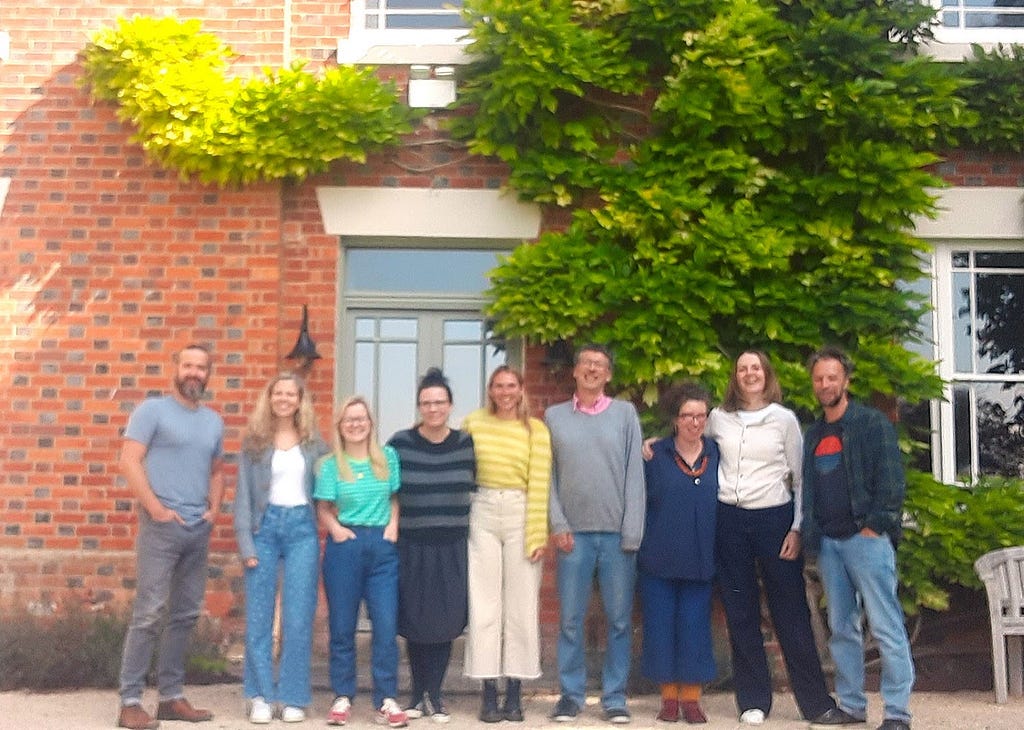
x=508 y=529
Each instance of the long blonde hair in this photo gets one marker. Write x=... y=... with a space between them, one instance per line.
x=378 y=462
x=522 y=410
x=259 y=434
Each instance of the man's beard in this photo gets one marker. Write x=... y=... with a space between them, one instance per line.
x=191 y=388
x=834 y=402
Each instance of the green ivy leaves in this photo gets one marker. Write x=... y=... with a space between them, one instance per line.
x=169 y=80
x=745 y=174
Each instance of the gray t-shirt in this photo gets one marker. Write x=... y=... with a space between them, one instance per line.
x=181 y=447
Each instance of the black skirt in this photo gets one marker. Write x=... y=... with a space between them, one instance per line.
x=432 y=589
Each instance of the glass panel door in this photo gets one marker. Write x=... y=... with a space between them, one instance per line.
x=392 y=349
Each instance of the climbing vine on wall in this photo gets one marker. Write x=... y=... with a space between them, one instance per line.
x=170 y=81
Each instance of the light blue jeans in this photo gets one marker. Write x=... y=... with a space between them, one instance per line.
x=170 y=584
x=859 y=573
x=598 y=552
x=286 y=544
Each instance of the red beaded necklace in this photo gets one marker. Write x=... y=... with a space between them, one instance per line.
x=697 y=471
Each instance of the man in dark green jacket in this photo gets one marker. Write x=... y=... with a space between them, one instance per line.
x=853 y=490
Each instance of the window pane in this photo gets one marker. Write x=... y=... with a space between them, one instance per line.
x=433 y=22
x=922 y=287
x=365 y=327
x=419 y=271
x=366 y=368
x=396 y=406
x=989 y=3
x=1000 y=415
x=999 y=259
x=962 y=428
x=963 y=334
x=961 y=259
x=451 y=6
x=463 y=364
x=397 y=329
x=463 y=330
x=999 y=305
x=468 y=362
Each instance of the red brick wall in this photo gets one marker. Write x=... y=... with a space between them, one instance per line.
x=108 y=264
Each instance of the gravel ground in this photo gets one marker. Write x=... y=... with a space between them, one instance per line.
x=94 y=709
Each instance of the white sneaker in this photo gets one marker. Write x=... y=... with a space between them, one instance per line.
x=753 y=716
x=391 y=714
x=260 y=712
x=339 y=712
x=293 y=714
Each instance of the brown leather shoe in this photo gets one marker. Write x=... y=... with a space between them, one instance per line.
x=134 y=717
x=181 y=709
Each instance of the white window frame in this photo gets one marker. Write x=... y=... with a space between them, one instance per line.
x=400 y=45
x=982 y=218
x=954 y=44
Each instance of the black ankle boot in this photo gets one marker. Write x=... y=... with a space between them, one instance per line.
x=489 y=702
x=513 y=709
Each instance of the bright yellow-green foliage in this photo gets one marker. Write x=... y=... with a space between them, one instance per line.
x=169 y=80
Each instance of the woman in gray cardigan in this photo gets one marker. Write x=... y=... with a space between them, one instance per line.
x=275 y=526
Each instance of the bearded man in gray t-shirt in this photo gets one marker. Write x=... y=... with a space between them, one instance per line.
x=171 y=459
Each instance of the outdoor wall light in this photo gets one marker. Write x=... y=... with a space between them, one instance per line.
x=558 y=355
x=5 y=46
x=305 y=349
x=431 y=87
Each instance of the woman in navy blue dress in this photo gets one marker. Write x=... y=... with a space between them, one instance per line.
x=676 y=561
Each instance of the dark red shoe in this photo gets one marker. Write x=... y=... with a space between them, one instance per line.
x=669 y=711
x=692 y=713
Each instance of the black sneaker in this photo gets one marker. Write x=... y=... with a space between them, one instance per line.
x=836 y=716
x=617 y=715
x=416 y=710
x=437 y=710
x=893 y=724
x=565 y=710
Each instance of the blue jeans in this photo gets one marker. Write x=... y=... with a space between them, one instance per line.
x=287 y=539
x=170 y=582
x=598 y=552
x=860 y=572
x=365 y=567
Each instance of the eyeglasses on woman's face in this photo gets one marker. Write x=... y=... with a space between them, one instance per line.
x=693 y=416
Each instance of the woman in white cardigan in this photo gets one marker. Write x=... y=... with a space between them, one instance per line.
x=758 y=536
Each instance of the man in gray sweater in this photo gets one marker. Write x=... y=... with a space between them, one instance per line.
x=597 y=517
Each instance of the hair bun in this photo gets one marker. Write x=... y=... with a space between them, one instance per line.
x=433 y=378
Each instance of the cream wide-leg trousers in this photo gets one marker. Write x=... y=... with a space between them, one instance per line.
x=503 y=638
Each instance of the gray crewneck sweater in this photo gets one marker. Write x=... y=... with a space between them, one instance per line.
x=597 y=478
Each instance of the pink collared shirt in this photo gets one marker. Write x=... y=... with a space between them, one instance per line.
x=600 y=405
